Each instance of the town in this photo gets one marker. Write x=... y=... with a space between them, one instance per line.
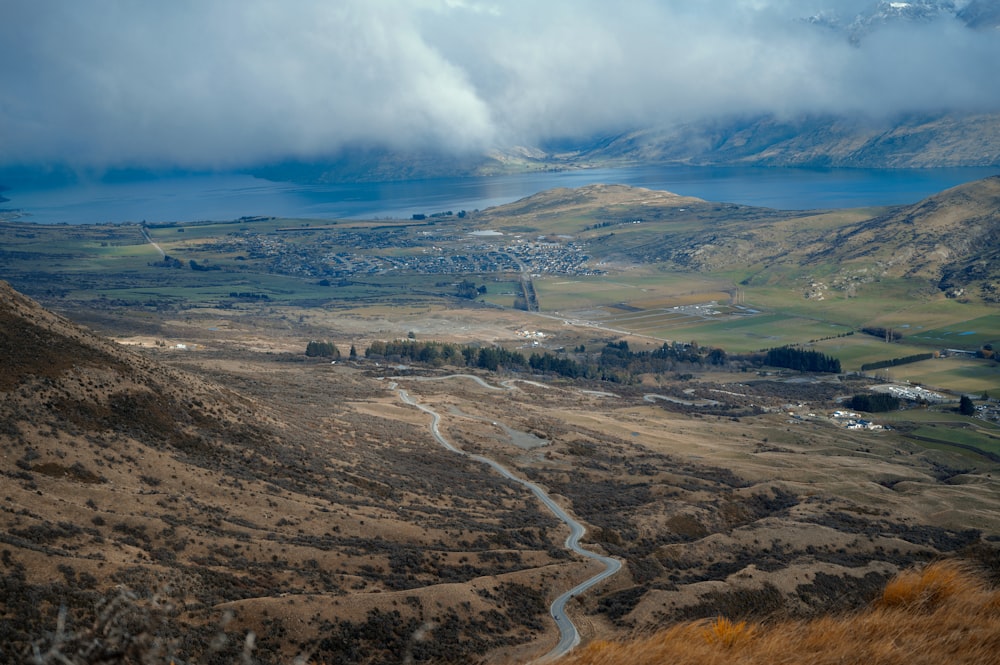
x=338 y=253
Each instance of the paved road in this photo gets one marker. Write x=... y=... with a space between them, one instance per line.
x=569 y=636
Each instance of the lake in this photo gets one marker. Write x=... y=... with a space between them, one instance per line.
x=224 y=196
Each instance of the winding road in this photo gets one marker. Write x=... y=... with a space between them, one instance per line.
x=569 y=636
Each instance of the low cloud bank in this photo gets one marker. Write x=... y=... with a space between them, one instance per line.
x=226 y=83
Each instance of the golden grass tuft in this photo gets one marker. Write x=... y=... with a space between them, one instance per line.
x=728 y=633
x=942 y=613
x=928 y=587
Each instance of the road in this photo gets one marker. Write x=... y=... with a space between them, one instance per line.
x=569 y=636
x=150 y=241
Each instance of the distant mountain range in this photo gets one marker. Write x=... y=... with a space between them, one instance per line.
x=817 y=141
x=977 y=14
x=981 y=14
x=913 y=140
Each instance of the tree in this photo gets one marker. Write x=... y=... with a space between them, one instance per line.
x=322 y=349
x=717 y=357
x=354 y=353
x=966 y=407
x=467 y=289
x=873 y=402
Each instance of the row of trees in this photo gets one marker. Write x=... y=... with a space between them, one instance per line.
x=614 y=362
x=876 y=402
x=888 y=334
x=893 y=362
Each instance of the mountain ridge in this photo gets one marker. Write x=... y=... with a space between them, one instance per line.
x=916 y=140
x=949 y=241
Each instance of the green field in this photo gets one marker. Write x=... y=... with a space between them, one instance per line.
x=963 y=438
x=740 y=334
x=942 y=428
x=969 y=375
x=643 y=290
x=976 y=332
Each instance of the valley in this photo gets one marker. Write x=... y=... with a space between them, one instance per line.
x=218 y=482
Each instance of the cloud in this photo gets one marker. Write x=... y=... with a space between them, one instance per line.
x=224 y=83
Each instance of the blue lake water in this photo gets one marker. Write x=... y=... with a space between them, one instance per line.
x=229 y=196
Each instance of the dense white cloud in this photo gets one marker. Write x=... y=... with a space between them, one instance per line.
x=204 y=83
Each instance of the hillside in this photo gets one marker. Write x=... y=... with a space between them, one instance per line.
x=913 y=141
x=941 y=613
x=918 y=140
x=220 y=490
x=952 y=237
x=948 y=242
x=199 y=502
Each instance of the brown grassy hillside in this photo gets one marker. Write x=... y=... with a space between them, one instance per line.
x=951 y=238
x=941 y=614
x=949 y=241
x=271 y=505
x=207 y=495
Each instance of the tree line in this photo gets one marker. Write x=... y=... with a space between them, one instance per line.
x=614 y=362
x=888 y=334
x=893 y=362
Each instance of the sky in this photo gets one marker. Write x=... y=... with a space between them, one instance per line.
x=216 y=84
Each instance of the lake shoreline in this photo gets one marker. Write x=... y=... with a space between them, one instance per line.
x=228 y=196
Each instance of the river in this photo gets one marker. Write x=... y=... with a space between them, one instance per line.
x=225 y=196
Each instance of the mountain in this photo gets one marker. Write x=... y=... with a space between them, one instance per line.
x=52 y=367
x=981 y=14
x=923 y=140
x=943 y=609
x=231 y=499
x=913 y=141
x=951 y=238
x=977 y=15
x=948 y=242
x=889 y=13
x=946 y=137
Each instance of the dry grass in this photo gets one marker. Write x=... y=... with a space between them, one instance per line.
x=940 y=614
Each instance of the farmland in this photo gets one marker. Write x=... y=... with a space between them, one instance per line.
x=578 y=258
